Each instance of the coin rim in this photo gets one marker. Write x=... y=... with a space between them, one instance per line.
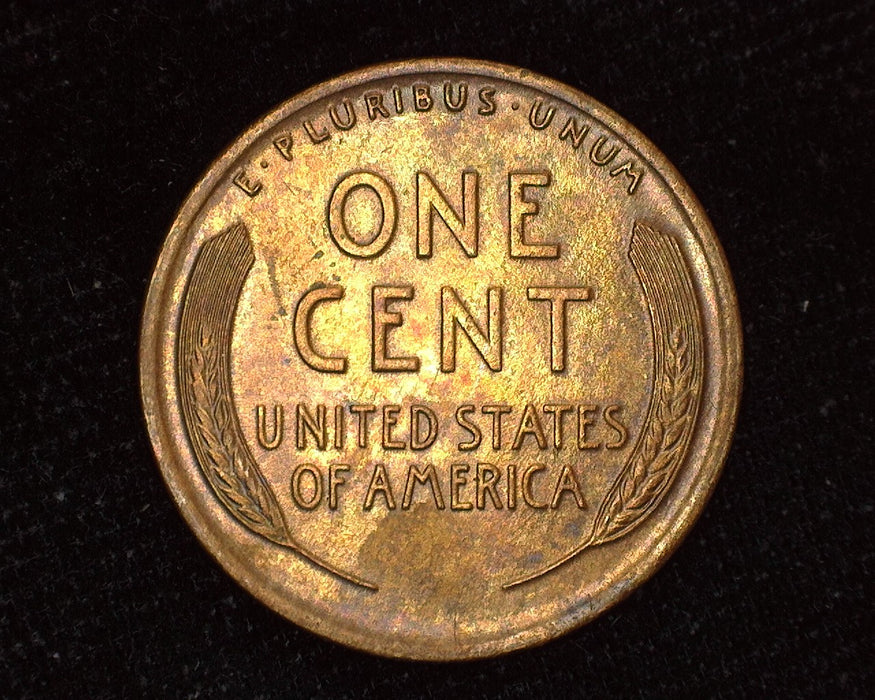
x=729 y=384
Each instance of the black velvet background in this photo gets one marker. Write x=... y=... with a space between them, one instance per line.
x=108 y=116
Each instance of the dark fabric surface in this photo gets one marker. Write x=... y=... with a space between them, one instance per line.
x=109 y=114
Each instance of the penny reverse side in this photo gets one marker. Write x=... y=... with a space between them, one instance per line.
x=441 y=359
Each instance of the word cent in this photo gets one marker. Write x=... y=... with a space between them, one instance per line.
x=441 y=359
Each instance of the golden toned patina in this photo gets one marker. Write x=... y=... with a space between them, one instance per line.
x=441 y=359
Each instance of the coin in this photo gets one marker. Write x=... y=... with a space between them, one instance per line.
x=440 y=359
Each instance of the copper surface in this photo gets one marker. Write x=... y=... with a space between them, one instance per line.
x=441 y=359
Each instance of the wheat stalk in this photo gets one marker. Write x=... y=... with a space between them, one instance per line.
x=659 y=452
x=228 y=469
x=211 y=419
x=651 y=468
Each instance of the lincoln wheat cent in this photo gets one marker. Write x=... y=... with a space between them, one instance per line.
x=441 y=359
